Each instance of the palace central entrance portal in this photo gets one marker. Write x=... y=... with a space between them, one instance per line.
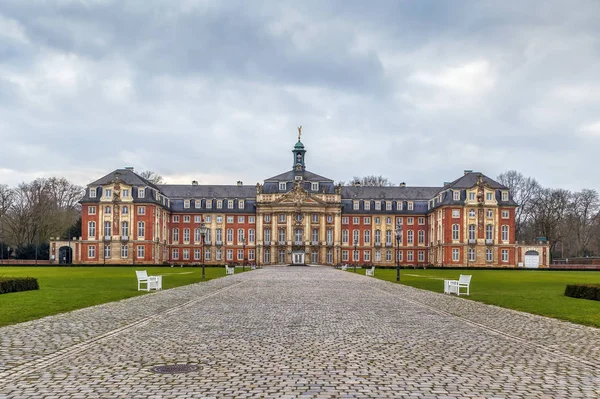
x=298 y=258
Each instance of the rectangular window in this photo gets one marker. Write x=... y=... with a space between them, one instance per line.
x=124 y=251
x=329 y=218
x=410 y=206
x=219 y=254
x=455 y=232
x=186 y=254
x=186 y=235
x=229 y=254
x=356 y=205
x=91 y=210
x=267 y=233
x=355 y=256
x=345 y=220
x=197 y=204
x=108 y=210
x=241 y=219
x=208 y=204
x=108 y=193
x=186 y=204
x=197 y=219
x=175 y=254
x=456 y=195
x=219 y=204
x=176 y=219
x=241 y=204
x=409 y=256
x=455 y=213
x=504 y=255
x=207 y=254
x=219 y=219
x=471 y=254
x=367 y=205
x=388 y=220
x=251 y=254
x=377 y=205
x=422 y=221
x=314 y=218
x=421 y=237
x=186 y=218
x=399 y=205
x=489 y=255
x=282 y=218
x=489 y=214
x=377 y=255
x=141 y=252
x=92 y=193
x=489 y=196
x=197 y=254
x=388 y=256
x=141 y=210
x=175 y=234
x=455 y=254
x=125 y=193
x=240 y=254
x=229 y=219
x=230 y=204
x=505 y=214
x=421 y=256
x=356 y=220
x=504 y=196
x=91 y=251
x=471 y=196
x=367 y=256
x=314 y=186
x=388 y=205
x=251 y=219
x=141 y=193
x=282 y=186
x=367 y=220
x=410 y=221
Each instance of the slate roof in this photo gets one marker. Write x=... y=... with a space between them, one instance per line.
x=187 y=191
x=306 y=175
x=470 y=179
x=403 y=193
x=126 y=176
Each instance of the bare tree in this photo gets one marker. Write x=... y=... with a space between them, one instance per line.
x=549 y=212
x=371 y=181
x=523 y=191
x=152 y=177
x=584 y=211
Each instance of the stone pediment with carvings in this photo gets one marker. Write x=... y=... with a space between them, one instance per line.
x=298 y=196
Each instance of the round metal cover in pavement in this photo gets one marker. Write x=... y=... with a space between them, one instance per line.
x=175 y=369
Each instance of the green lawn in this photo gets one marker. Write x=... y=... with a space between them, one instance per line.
x=67 y=288
x=533 y=291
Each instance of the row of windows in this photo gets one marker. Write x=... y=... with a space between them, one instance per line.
x=488 y=213
x=388 y=220
x=218 y=219
x=125 y=193
x=313 y=186
x=282 y=218
x=141 y=210
x=141 y=251
x=489 y=232
x=472 y=255
x=186 y=252
x=377 y=236
x=388 y=256
x=218 y=204
x=379 y=205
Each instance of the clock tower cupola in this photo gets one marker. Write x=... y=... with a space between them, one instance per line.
x=299 y=153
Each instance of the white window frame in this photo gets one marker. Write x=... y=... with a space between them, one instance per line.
x=141 y=210
x=93 y=192
x=141 y=193
x=241 y=204
x=410 y=206
x=91 y=210
x=455 y=254
x=356 y=205
x=455 y=213
x=456 y=195
x=230 y=204
x=282 y=186
x=314 y=186
x=504 y=254
x=91 y=251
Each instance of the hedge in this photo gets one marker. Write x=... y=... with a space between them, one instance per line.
x=16 y=284
x=585 y=291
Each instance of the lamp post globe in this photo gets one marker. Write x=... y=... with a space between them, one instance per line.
x=398 y=233
x=203 y=231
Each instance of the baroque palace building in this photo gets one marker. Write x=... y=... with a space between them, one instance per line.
x=297 y=217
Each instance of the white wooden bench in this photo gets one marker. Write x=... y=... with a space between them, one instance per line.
x=454 y=286
x=229 y=270
x=344 y=267
x=152 y=282
x=370 y=272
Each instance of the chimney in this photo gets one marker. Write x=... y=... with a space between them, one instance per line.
x=129 y=168
x=194 y=182
x=403 y=184
x=356 y=184
x=240 y=183
x=468 y=171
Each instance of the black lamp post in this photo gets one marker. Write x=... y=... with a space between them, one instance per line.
x=354 y=255
x=203 y=230
x=398 y=233
x=244 y=253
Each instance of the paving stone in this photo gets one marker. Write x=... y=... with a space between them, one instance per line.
x=299 y=332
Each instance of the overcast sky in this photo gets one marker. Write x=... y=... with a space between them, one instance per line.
x=416 y=91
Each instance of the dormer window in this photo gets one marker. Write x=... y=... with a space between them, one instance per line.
x=356 y=205
x=141 y=193
x=219 y=204
x=198 y=204
x=107 y=193
x=314 y=186
x=92 y=192
x=208 y=204
x=489 y=196
x=410 y=206
x=399 y=205
x=186 y=204
x=472 y=196
x=367 y=205
x=456 y=195
x=388 y=205
x=240 y=204
x=504 y=195
x=282 y=186
x=377 y=205
x=230 y=204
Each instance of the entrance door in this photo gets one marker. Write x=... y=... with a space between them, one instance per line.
x=532 y=259
x=298 y=258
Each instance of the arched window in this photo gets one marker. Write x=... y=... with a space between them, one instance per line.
x=377 y=236
x=345 y=235
x=355 y=236
x=229 y=235
x=240 y=236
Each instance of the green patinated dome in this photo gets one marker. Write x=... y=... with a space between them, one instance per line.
x=299 y=145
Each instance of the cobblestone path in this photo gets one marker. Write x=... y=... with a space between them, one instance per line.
x=310 y=332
